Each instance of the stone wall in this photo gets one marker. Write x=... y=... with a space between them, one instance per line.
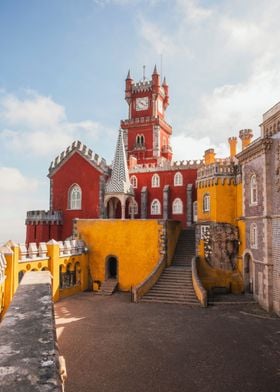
x=29 y=358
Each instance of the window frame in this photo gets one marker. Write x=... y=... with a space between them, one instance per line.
x=206 y=202
x=74 y=204
x=178 y=179
x=175 y=210
x=253 y=190
x=254 y=236
x=158 y=208
x=134 y=181
x=155 y=181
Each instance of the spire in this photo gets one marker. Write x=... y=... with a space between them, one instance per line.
x=155 y=70
x=119 y=181
x=164 y=82
x=128 y=75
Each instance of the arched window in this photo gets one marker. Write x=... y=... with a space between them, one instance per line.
x=75 y=197
x=178 y=179
x=133 y=208
x=177 y=206
x=133 y=181
x=253 y=236
x=254 y=189
x=155 y=181
x=155 y=207
x=206 y=202
x=140 y=140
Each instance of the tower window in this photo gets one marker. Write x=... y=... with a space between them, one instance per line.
x=140 y=141
x=253 y=236
x=75 y=198
x=178 y=179
x=206 y=202
x=133 y=181
x=155 y=207
x=254 y=190
x=177 y=206
x=155 y=181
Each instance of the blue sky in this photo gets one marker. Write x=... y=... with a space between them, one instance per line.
x=63 y=65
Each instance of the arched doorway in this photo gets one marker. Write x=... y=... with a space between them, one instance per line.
x=248 y=274
x=112 y=268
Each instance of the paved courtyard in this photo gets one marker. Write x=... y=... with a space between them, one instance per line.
x=111 y=344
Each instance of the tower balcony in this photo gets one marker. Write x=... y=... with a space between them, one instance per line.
x=139 y=147
x=38 y=216
x=166 y=149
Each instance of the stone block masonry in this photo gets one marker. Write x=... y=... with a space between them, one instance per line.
x=29 y=358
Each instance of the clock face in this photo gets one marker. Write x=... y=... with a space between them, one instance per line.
x=142 y=103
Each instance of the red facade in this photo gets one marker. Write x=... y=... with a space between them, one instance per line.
x=78 y=177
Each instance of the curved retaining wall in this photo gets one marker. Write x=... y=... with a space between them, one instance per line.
x=200 y=291
x=147 y=284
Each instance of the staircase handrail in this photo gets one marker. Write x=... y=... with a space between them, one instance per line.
x=200 y=291
x=143 y=287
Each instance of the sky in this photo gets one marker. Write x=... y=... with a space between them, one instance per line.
x=63 y=65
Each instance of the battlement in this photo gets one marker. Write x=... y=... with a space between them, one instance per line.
x=221 y=167
x=84 y=151
x=166 y=165
x=34 y=252
x=37 y=216
x=143 y=85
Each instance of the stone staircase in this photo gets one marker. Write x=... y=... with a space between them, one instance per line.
x=108 y=287
x=175 y=283
x=185 y=248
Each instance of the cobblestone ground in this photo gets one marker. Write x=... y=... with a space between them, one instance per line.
x=111 y=344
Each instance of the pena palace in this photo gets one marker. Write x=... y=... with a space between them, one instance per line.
x=80 y=180
x=166 y=231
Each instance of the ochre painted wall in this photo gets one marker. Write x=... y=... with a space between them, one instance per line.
x=135 y=244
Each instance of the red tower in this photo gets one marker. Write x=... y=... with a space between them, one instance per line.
x=146 y=133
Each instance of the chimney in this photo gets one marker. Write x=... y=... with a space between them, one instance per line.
x=232 y=146
x=132 y=162
x=245 y=136
x=209 y=156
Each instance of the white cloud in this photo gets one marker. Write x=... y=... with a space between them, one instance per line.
x=39 y=126
x=12 y=180
x=193 y=11
x=35 y=111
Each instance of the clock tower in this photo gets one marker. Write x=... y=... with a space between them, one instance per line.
x=146 y=133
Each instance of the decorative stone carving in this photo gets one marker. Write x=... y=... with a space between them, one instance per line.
x=221 y=242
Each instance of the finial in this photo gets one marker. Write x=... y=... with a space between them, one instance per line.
x=164 y=82
x=155 y=70
x=144 y=76
x=128 y=75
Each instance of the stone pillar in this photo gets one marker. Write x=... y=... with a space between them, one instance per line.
x=144 y=197
x=102 y=210
x=189 y=205
x=166 y=191
x=53 y=253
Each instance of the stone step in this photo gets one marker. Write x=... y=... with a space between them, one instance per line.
x=175 y=302
x=170 y=295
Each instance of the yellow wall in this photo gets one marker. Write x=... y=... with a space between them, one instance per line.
x=135 y=244
x=222 y=203
x=51 y=262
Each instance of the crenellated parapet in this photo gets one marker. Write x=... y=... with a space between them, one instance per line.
x=3 y=265
x=36 y=252
x=42 y=216
x=82 y=149
x=224 y=171
x=166 y=165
